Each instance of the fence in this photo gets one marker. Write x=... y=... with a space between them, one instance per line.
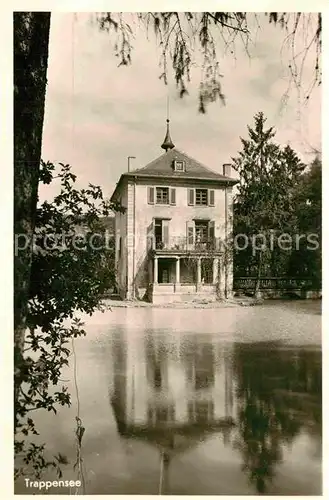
x=275 y=283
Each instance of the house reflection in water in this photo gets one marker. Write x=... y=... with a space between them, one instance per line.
x=172 y=392
x=176 y=391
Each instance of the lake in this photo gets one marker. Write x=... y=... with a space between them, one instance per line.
x=194 y=401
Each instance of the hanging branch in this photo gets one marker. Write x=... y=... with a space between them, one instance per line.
x=182 y=36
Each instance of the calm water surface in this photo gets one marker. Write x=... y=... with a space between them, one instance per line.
x=195 y=401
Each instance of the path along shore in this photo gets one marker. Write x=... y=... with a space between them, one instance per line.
x=218 y=304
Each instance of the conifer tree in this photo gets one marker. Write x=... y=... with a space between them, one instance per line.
x=264 y=207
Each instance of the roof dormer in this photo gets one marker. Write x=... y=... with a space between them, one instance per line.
x=179 y=166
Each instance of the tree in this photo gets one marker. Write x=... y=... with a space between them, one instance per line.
x=306 y=260
x=72 y=267
x=31 y=37
x=264 y=204
x=310 y=197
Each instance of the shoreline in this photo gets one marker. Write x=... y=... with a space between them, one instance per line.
x=241 y=302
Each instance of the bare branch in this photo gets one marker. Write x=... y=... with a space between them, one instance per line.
x=182 y=36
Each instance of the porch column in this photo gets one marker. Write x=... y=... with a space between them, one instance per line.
x=199 y=272
x=155 y=273
x=215 y=270
x=177 y=270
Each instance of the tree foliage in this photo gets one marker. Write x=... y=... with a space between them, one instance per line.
x=277 y=195
x=72 y=266
x=184 y=36
x=308 y=209
x=265 y=204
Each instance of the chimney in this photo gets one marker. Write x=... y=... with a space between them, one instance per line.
x=227 y=169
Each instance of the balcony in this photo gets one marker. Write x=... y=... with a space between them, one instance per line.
x=183 y=244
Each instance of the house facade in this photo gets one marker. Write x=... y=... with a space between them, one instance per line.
x=173 y=241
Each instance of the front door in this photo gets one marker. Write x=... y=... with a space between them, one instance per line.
x=163 y=271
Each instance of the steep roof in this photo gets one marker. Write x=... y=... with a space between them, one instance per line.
x=163 y=167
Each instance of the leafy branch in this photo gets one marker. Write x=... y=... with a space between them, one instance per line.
x=66 y=279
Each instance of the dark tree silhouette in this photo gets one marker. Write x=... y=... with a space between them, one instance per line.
x=279 y=395
x=31 y=37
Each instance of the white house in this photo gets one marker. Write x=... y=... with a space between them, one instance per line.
x=174 y=241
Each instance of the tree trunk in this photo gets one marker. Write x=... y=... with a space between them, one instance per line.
x=31 y=39
x=259 y=272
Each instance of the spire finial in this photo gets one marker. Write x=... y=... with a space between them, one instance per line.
x=167 y=143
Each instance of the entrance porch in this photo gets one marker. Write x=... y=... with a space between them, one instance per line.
x=178 y=278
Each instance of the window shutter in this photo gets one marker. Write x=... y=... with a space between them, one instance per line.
x=190 y=196
x=150 y=197
x=211 y=234
x=190 y=234
x=120 y=247
x=172 y=196
x=211 y=199
x=165 y=232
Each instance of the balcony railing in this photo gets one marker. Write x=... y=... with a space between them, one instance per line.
x=183 y=244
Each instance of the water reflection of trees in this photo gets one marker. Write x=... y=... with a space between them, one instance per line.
x=279 y=395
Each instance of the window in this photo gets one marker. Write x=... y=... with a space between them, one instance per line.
x=204 y=378
x=161 y=233
x=200 y=411
x=201 y=231
x=162 y=195
x=201 y=197
x=179 y=166
x=160 y=414
x=200 y=234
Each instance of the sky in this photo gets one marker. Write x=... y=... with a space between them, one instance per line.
x=97 y=114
